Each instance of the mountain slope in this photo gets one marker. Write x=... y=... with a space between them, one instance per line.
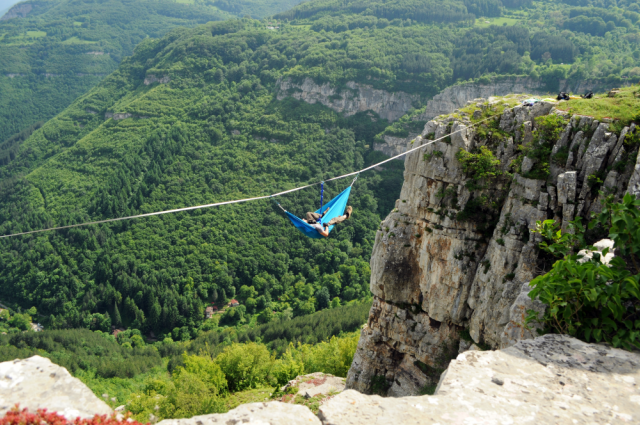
x=199 y=138
x=193 y=118
x=52 y=51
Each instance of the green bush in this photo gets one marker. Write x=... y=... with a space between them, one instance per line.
x=245 y=365
x=194 y=389
x=591 y=300
x=481 y=165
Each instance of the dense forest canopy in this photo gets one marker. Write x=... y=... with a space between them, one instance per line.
x=212 y=130
x=213 y=133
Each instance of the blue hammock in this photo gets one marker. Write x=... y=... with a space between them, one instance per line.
x=337 y=205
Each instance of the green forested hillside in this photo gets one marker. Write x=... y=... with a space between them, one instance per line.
x=62 y=48
x=146 y=374
x=213 y=131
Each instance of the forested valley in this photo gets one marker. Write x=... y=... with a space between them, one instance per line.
x=117 y=108
x=201 y=124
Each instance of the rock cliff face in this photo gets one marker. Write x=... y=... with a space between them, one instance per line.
x=455 y=256
x=356 y=98
x=456 y=97
x=550 y=380
x=393 y=146
x=150 y=79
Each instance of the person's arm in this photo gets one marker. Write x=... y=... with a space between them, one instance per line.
x=324 y=232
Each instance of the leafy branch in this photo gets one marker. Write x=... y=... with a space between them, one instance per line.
x=587 y=297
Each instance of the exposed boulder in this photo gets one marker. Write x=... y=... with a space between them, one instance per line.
x=316 y=384
x=36 y=383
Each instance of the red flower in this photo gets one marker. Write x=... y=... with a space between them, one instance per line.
x=41 y=417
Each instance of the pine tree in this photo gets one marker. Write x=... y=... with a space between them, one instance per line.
x=117 y=320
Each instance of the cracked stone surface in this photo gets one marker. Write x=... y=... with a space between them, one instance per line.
x=554 y=379
x=272 y=413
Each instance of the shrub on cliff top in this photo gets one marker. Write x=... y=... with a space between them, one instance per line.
x=592 y=300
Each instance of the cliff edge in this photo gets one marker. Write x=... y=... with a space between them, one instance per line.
x=451 y=264
x=550 y=379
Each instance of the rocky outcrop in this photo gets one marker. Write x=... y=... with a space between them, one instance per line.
x=550 y=379
x=393 y=146
x=355 y=98
x=274 y=413
x=553 y=379
x=456 y=255
x=36 y=383
x=150 y=79
x=18 y=11
x=582 y=86
x=117 y=115
x=457 y=96
x=319 y=385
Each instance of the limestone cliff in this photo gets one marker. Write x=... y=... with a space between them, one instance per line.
x=457 y=96
x=455 y=256
x=355 y=98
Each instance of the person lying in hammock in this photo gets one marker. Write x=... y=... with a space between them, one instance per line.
x=313 y=219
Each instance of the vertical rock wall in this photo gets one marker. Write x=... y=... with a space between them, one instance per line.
x=452 y=262
x=353 y=99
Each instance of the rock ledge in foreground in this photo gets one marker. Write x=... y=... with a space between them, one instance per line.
x=272 y=413
x=551 y=379
x=36 y=383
